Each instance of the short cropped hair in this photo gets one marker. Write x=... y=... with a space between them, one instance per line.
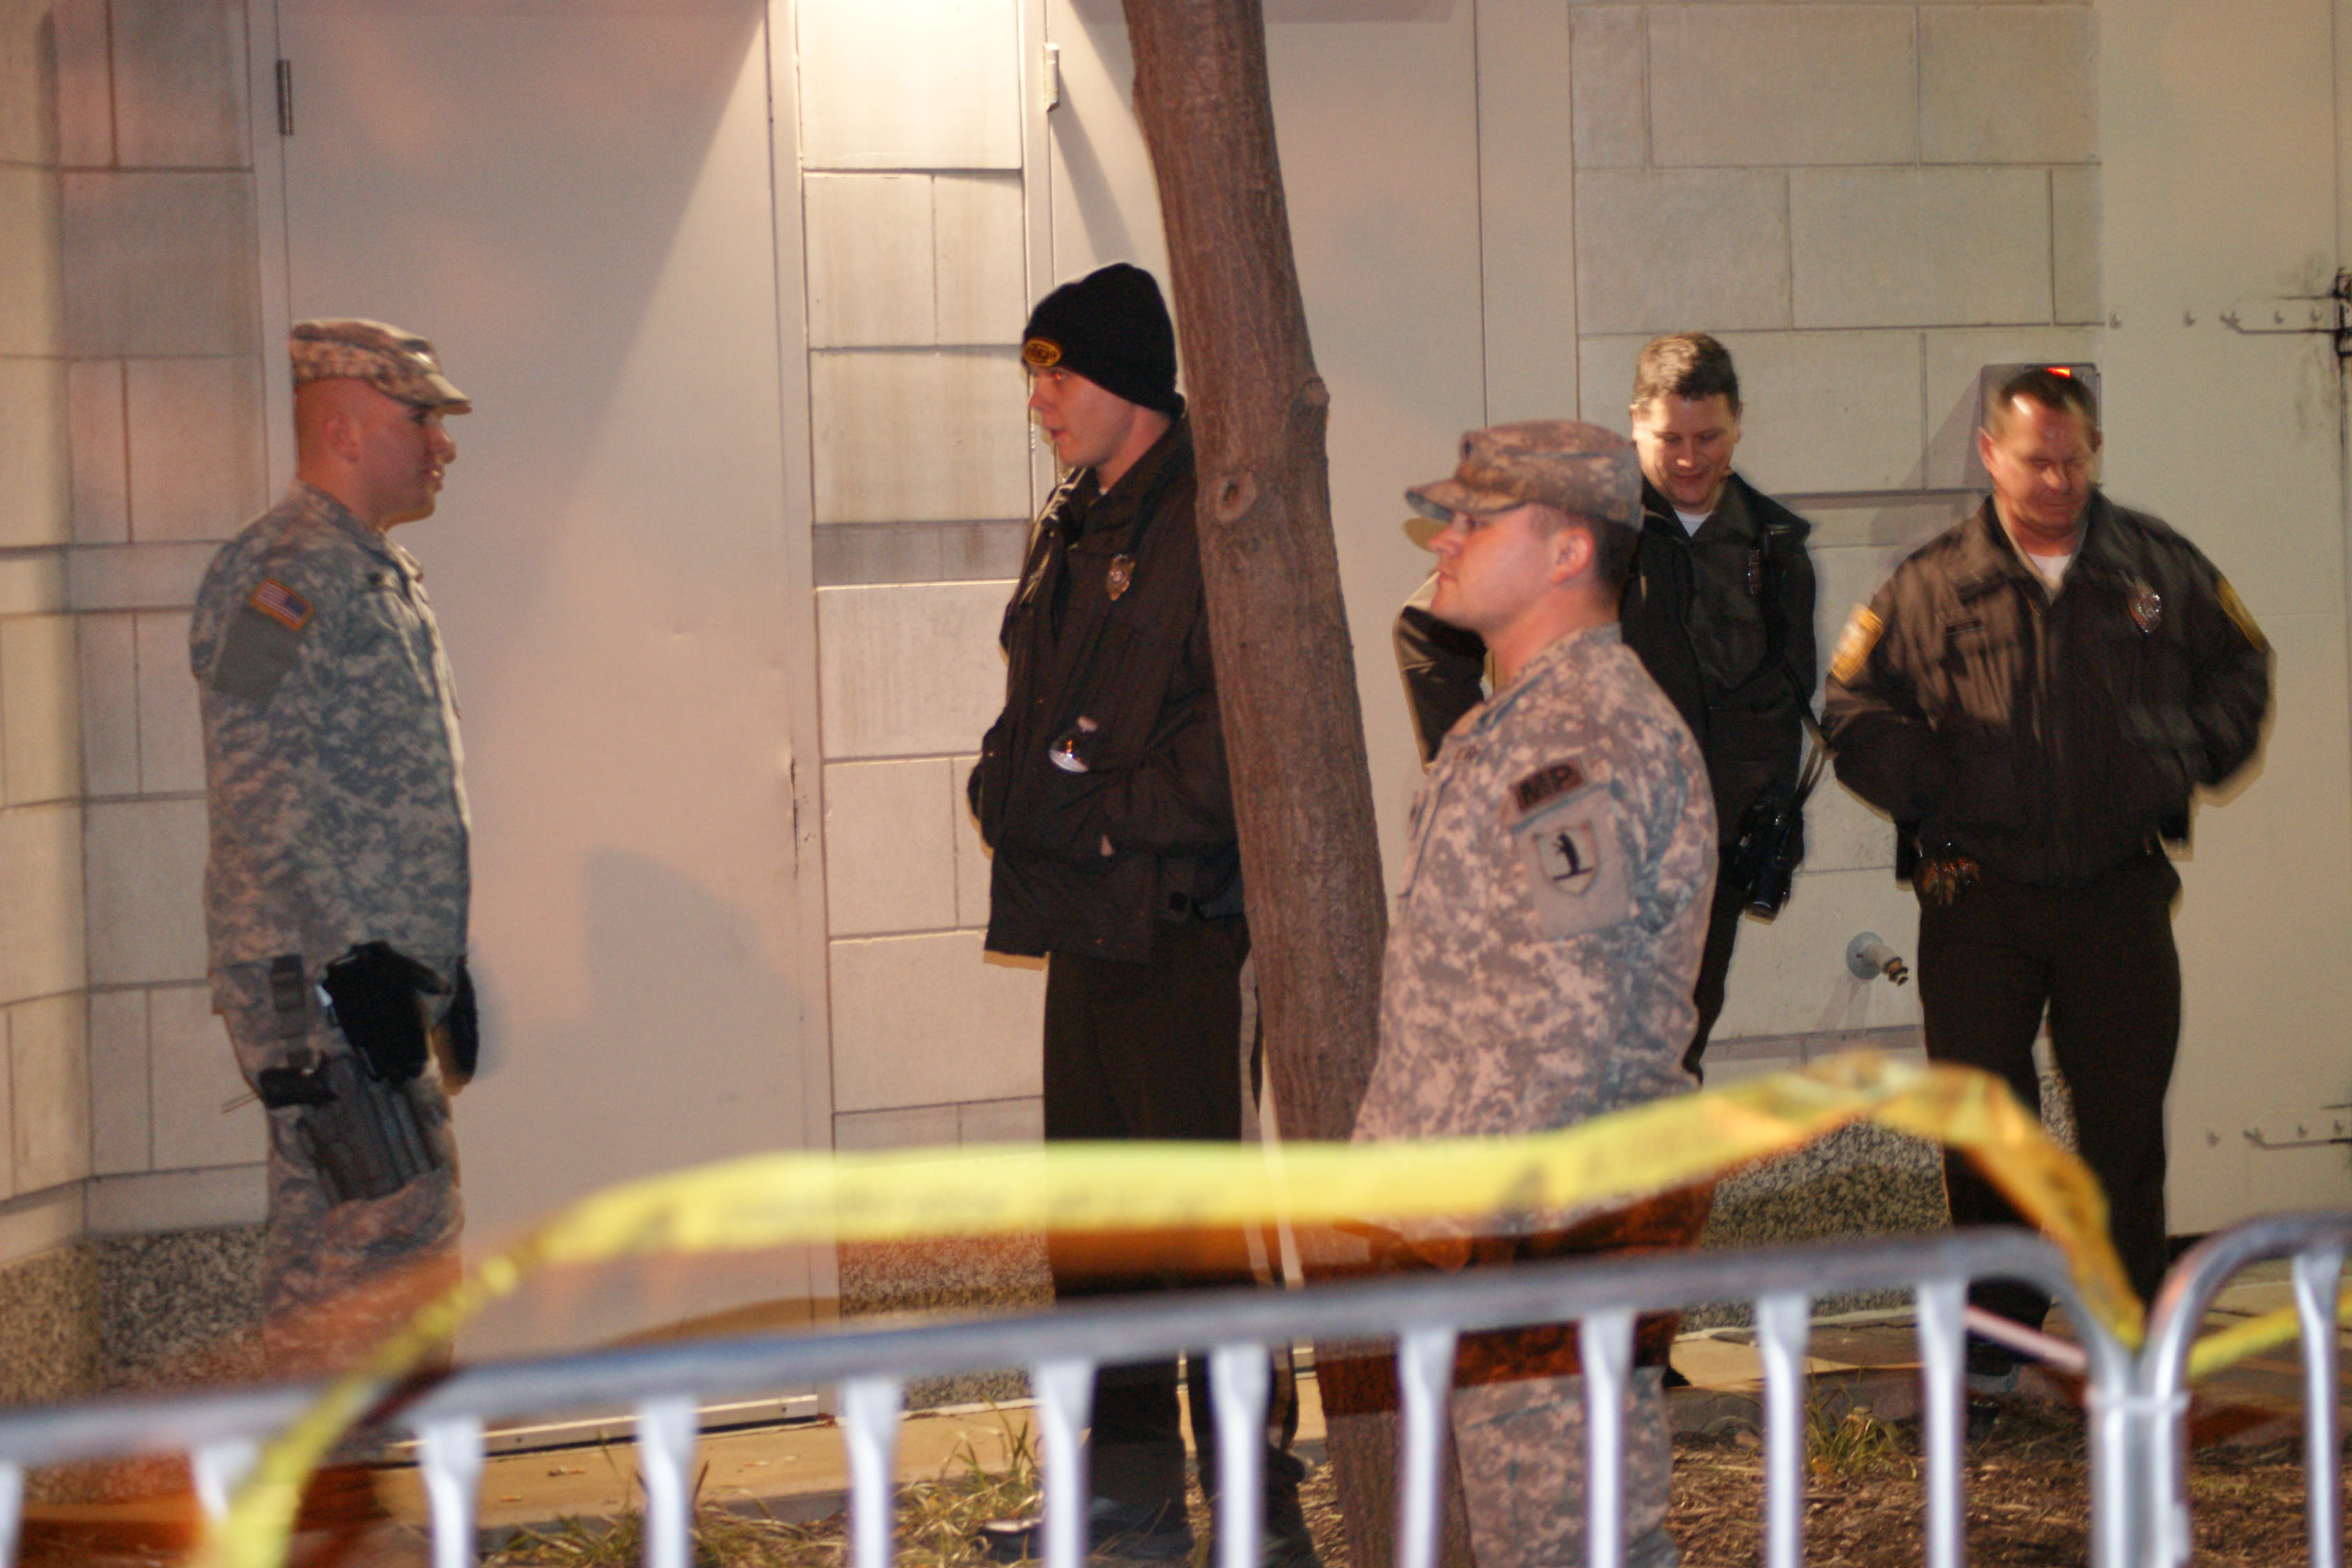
x=2052 y=389
x=1684 y=364
x=1613 y=547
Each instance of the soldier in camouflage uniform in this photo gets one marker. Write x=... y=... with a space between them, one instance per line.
x=1540 y=962
x=338 y=864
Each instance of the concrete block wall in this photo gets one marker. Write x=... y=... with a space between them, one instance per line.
x=130 y=337
x=913 y=205
x=1866 y=202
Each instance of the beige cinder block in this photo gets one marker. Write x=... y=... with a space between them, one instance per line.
x=1782 y=84
x=179 y=74
x=34 y=466
x=160 y=264
x=121 y=1133
x=1886 y=247
x=920 y=437
x=870 y=253
x=909 y=669
x=49 y=1075
x=146 y=863
x=41 y=930
x=910 y=84
x=2007 y=84
x=925 y=1020
x=889 y=847
x=195 y=447
x=203 y=1112
x=40 y=723
x=1645 y=263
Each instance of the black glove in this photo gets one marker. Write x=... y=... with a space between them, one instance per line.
x=374 y=988
x=462 y=1027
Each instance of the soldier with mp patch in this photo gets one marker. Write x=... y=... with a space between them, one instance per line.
x=1546 y=939
x=2034 y=697
x=336 y=887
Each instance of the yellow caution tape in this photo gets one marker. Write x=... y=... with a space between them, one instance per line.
x=2226 y=1347
x=777 y=1200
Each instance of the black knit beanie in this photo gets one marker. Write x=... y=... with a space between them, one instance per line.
x=1112 y=328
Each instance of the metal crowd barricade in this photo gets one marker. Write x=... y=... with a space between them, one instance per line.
x=1423 y=1315
x=2316 y=1243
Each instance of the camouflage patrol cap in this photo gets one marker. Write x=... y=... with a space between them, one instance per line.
x=1581 y=469
x=395 y=363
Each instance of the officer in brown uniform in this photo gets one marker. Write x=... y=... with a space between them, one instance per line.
x=1102 y=794
x=2034 y=697
x=1539 y=964
x=336 y=889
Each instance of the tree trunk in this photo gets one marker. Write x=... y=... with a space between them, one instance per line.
x=1285 y=670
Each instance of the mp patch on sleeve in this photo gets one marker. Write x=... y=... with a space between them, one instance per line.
x=261 y=643
x=1573 y=865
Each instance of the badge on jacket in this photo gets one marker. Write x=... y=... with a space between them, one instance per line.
x=2146 y=606
x=1121 y=574
x=1574 y=866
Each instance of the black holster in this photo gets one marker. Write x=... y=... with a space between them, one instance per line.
x=367 y=1141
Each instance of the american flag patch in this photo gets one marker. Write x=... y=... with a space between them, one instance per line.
x=280 y=604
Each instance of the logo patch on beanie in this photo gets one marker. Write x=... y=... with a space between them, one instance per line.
x=1039 y=355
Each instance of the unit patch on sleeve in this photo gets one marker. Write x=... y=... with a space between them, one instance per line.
x=1853 y=645
x=1573 y=865
x=261 y=642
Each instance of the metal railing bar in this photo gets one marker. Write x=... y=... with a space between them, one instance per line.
x=1424 y=1382
x=1604 y=1342
x=1943 y=1416
x=870 y=1408
x=217 y=1467
x=1122 y=1329
x=1065 y=1391
x=2316 y=1273
x=451 y=1460
x=12 y=1509
x=1239 y=1376
x=665 y=1433
x=1782 y=1323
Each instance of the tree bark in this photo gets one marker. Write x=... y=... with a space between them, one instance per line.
x=1285 y=669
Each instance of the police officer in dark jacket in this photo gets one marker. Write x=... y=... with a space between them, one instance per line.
x=1101 y=791
x=1719 y=608
x=2034 y=697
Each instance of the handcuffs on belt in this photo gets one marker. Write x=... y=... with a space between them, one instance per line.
x=1940 y=876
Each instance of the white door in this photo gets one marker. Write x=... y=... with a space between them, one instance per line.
x=2222 y=187
x=576 y=202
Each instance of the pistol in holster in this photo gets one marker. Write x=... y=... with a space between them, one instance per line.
x=361 y=1132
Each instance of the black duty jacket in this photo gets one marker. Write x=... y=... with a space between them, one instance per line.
x=1722 y=619
x=1109 y=624
x=2051 y=740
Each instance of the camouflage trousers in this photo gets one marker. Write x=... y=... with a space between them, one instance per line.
x=1521 y=1443
x=337 y=1277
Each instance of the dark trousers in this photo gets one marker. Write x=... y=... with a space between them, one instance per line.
x=2101 y=960
x=1714 y=963
x=1154 y=1050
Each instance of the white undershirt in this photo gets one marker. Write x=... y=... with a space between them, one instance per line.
x=1692 y=521
x=2050 y=569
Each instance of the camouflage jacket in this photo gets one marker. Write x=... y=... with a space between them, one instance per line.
x=1546 y=938
x=331 y=758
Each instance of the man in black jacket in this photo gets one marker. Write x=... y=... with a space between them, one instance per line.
x=1101 y=792
x=1719 y=608
x=2034 y=696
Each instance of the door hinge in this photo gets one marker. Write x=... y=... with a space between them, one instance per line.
x=2300 y=313
x=286 y=97
x=1053 y=77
